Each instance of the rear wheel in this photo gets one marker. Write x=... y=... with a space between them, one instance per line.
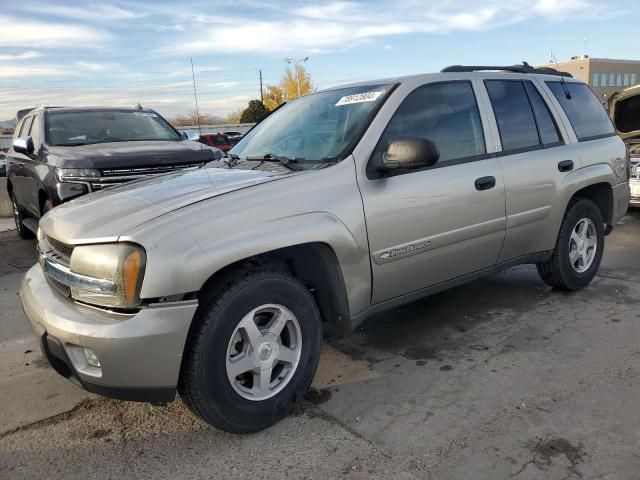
x=252 y=352
x=18 y=217
x=578 y=252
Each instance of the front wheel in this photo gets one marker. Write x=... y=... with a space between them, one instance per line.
x=578 y=252
x=18 y=217
x=252 y=352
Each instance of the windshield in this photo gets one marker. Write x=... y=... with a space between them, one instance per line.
x=99 y=126
x=317 y=128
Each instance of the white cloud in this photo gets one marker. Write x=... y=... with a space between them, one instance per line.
x=321 y=27
x=31 y=71
x=31 y=33
x=19 y=56
x=91 y=11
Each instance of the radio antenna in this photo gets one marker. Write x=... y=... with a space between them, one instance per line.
x=195 y=95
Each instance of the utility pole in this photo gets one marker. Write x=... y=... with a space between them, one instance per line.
x=297 y=65
x=261 y=93
x=195 y=94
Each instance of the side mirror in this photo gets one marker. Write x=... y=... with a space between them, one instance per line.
x=191 y=135
x=23 y=145
x=409 y=153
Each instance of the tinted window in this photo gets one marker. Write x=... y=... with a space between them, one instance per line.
x=514 y=116
x=546 y=125
x=586 y=114
x=445 y=113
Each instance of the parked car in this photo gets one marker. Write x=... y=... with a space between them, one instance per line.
x=218 y=140
x=59 y=154
x=3 y=164
x=624 y=108
x=234 y=137
x=217 y=282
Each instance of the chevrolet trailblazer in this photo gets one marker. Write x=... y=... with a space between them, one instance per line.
x=216 y=282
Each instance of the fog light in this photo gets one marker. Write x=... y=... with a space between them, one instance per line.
x=92 y=358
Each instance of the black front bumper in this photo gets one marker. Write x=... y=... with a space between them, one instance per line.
x=57 y=357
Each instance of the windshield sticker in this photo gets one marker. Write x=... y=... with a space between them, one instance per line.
x=359 y=98
x=145 y=114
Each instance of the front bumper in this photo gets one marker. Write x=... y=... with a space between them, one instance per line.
x=140 y=354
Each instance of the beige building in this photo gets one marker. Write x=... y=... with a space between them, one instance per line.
x=605 y=76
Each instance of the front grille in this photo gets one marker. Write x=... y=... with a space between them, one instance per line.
x=148 y=170
x=117 y=176
x=56 y=250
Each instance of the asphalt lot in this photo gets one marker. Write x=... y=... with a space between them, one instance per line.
x=501 y=378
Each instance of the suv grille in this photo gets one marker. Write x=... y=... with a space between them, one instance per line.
x=117 y=176
x=57 y=250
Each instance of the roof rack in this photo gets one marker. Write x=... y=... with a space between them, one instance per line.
x=523 y=68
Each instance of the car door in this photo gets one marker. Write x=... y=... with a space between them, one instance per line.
x=535 y=159
x=442 y=222
x=34 y=169
x=18 y=161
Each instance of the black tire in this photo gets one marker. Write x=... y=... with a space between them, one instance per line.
x=204 y=384
x=18 y=216
x=558 y=272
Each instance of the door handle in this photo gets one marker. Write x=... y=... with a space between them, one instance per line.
x=565 y=166
x=485 y=183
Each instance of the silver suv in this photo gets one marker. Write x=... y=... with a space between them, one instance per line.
x=217 y=281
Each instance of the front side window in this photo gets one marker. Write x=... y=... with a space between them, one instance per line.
x=445 y=113
x=16 y=132
x=516 y=122
x=71 y=128
x=35 y=132
x=585 y=112
x=26 y=126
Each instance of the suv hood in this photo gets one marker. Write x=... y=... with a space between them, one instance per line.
x=105 y=215
x=131 y=154
x=624 y=109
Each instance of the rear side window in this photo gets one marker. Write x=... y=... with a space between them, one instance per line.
x=586 y=114
x=516 y=122
x=547 y=127
x=445 y=113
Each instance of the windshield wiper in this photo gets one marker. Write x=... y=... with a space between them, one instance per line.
x=270 y=157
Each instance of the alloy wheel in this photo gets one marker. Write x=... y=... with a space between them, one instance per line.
x=264 y=352
x=583 y=244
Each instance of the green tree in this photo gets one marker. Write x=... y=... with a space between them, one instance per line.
x=254 y=112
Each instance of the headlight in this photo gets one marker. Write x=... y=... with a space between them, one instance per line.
x=75 y=173
x=121 y=263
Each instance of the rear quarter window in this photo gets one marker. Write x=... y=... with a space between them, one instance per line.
x=584 y=110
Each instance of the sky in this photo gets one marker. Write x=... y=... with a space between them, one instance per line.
x=123 y=52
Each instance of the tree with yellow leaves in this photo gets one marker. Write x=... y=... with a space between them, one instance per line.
x=294 y=83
